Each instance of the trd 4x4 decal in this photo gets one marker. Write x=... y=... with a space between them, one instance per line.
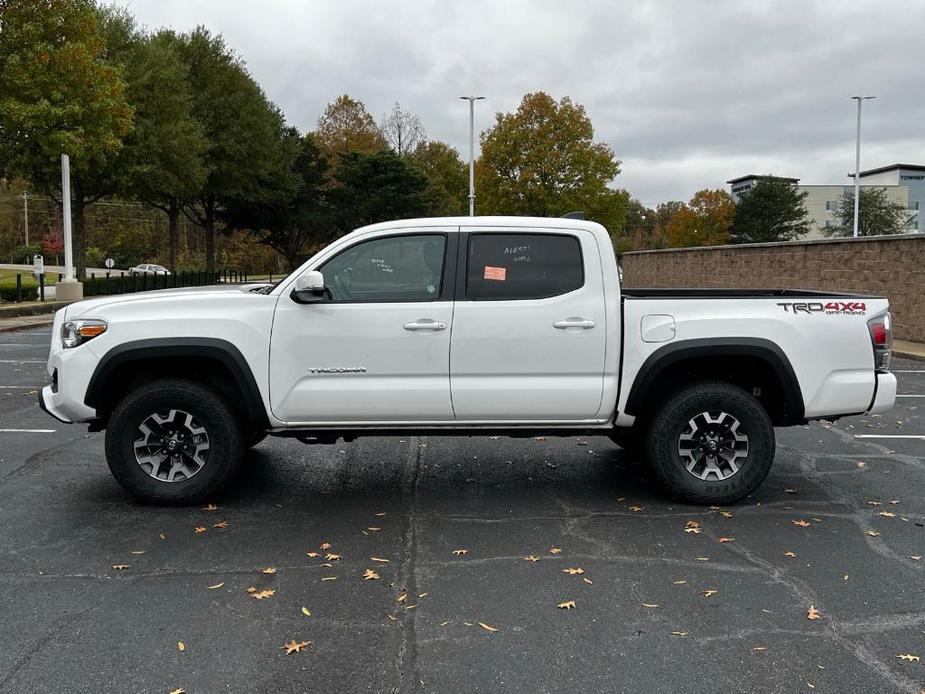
x=848 y=308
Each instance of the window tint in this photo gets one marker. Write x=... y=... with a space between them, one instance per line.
x=394 y=268
x=523 y=266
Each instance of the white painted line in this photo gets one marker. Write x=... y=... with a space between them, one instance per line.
x=890 y=436
x=39 y=387
x=28 y=431
x=910 y=396
x=909 y=371
x=23 y=361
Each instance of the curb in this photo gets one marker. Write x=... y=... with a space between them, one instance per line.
x=38 y=321
x=917 y=356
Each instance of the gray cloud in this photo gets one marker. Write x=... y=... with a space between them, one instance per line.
x=688 y=94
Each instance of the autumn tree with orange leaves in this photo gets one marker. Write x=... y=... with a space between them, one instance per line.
x=706 y=220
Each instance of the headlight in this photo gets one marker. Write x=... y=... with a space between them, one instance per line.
x=75 y=332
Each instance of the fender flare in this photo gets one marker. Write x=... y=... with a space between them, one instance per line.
x=177 y=348
x=765 y=350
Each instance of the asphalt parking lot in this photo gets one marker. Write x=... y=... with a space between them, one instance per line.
x=476 y=543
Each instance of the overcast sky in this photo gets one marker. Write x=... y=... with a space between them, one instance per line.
x=689 y=94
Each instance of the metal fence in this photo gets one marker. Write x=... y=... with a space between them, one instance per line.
x=127 y=283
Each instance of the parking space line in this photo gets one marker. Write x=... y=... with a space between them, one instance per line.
x=27 y=387
x=890 y=436
x=28 y=431
x=910 y=396
x=22 y=361
x=909 y=371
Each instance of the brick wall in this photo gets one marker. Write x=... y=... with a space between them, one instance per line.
x=887 y=265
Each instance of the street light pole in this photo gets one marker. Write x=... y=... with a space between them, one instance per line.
x=857 y=164
x=472 y=100
x=25 y=214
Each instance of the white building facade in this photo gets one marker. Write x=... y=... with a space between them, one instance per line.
x=903 y=183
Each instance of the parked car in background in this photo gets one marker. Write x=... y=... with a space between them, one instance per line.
x=148 y=269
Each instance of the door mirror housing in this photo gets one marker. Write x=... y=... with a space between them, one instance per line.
x=309 y=288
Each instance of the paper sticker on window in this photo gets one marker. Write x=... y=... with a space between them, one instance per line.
x=495 y=273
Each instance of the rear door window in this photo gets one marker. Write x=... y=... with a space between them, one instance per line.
x=504 y=267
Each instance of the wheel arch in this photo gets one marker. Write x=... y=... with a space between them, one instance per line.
x=211 y=360
x=748 y=362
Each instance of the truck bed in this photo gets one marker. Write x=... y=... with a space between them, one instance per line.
x=722 y=293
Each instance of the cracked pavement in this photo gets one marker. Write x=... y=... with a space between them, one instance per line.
x=69 y=621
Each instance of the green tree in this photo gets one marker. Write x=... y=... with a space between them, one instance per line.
x=704 y=221
x=59 y=94
x=164 y=154
x=346 y=126
x=877 y=215
x=447 y=178
x=370 y=188
x=542 y=160
x=289 y=210
x=772 y=210
x=241 y=130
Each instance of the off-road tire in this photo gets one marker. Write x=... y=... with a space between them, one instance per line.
x=212 y=413
x=672 y=419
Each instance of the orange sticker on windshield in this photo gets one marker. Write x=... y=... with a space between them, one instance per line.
x=495 y=273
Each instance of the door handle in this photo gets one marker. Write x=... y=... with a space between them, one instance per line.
x=425 y=324
x=574 y=322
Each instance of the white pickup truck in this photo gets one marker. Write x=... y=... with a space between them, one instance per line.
x=463 y=326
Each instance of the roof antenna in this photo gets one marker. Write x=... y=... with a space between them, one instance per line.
x=578 y=214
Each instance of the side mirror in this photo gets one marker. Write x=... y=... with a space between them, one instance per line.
x=309 y=288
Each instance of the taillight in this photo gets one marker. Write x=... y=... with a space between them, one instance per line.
x=881 y=337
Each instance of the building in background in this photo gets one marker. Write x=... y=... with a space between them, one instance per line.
x=903 y=183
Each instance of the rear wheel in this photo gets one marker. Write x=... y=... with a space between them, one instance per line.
x=173 y=442
x=710 y=443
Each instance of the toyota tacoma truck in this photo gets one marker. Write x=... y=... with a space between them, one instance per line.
x=463 y=326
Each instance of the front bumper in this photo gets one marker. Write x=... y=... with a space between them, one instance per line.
x=47 y=404
x=885 y=397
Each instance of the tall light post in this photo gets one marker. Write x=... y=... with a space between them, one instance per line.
x=857 y=164
x=472 y=100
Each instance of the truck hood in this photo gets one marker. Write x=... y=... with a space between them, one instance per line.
x=87 y=306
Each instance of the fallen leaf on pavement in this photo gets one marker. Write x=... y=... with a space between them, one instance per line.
x=487 y=627
x=294 y=646
x=261 y=594
x=555 y=550
x=872 y=533
x=790 y=490
x=379 y=559
x=251 y=589
x=888 y=514
x=649 y=604
x=635 y=509
x=313 y=555
x=392 y=617
x=217 y=585
x=210 y=508
x=573 y=570
x=724 y=540
x=708 y=592
x=332 y=557
x=725 y=514
x=138 y=551
x=269 y=571
x=570 y=605
x=909 y=658
x=588 y=581
x=760 y=648
x=402 y=597
x=373 y=529
x=460 y=552
x=679 y=633
x=200 y=530
x=813 y=613
x=790 y=554
x=680 y=583
x=221 y=524
x=325 y=546
x=801 y=523
x=370 y=575
x=120 y=567
x=532 y=557
x=307 y=612
x=181 y=646
x=178 y=690
x=329 y=578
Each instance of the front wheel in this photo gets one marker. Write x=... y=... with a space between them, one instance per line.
x=710 y=443
x=173 y=442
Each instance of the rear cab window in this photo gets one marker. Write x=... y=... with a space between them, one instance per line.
x=505 y=267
